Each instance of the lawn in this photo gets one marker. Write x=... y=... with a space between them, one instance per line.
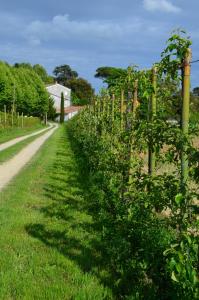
x=13 y=150
x=11 y=133
x=49 y=244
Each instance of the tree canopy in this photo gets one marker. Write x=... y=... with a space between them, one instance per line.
x=64 y=73
x=21 y=85
x=38 y=69
x=110 y=74
x=82 y=91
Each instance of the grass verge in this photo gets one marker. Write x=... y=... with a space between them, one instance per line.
x=13 y=150
x=12 y=133
x=49 y=246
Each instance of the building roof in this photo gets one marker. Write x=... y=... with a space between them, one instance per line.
x=57 y=85
x=71 y=109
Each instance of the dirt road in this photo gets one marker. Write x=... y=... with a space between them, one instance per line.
x=22 y=138
x=10 y=168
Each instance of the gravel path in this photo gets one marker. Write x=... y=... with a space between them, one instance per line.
x=22 y=138
x=10 y=168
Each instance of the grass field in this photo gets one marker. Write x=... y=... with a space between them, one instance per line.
x=49 y=246
x=11 y=133
x=13 y=150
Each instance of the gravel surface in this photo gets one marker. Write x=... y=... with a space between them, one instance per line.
x=22 y=138
x=10 y=168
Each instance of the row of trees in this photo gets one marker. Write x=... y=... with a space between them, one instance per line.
x=144 y=179
x=22 y=90
x=111 y=75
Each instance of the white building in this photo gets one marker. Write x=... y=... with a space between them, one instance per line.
x=55 y=90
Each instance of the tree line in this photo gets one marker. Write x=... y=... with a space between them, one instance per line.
x=22 y=90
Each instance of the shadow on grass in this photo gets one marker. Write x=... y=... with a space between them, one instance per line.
x=67 y=224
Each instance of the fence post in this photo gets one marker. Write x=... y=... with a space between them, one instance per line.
x=108 y=108
x=122 y=110
x=135 y=97
x=18 y=119
x=113 y=111
x=46 y=118
x=5 y=117
x=12 y=118
x=152 y=114
x=22 y=120
x=185 y=113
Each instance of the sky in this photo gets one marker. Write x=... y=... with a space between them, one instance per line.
x=87 y=34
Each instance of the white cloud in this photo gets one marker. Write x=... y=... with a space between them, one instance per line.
x=161 y=5
x=61 y=27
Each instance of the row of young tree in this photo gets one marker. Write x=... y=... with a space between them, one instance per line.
x=22 y=90
x=144 y=179
x=111 y=75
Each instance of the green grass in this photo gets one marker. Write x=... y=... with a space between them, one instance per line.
x=11 y=133
x=13 y=150
x=49 y=244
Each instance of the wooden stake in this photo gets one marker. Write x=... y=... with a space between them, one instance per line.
x=152 y=114
x=122 y=110
x=113 y=111
x=22 y=120
x=5 y=116
x=185 y=113
x=135 y=97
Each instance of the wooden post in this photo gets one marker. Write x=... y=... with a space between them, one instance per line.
x=22 y=120
x=122 y=110
x=98 y=108
x=5 y=116
x=113 y=111
x=18 y=119
x=135 y=97
x=103 y=107
x=152 y=114
x=12 y=118
x=46 y=118
x=94 y=106
x=185 y=113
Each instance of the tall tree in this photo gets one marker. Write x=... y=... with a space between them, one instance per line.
x=82 y=91
x=62 y=108
x=64 y=73
x=25 y=86
x=51 y=109
x=110 y=74
x=42 y=73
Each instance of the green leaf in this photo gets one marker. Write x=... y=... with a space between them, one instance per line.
x=179 y=199
x=173 y=277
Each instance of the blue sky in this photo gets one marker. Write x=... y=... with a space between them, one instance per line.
x=87 y=34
